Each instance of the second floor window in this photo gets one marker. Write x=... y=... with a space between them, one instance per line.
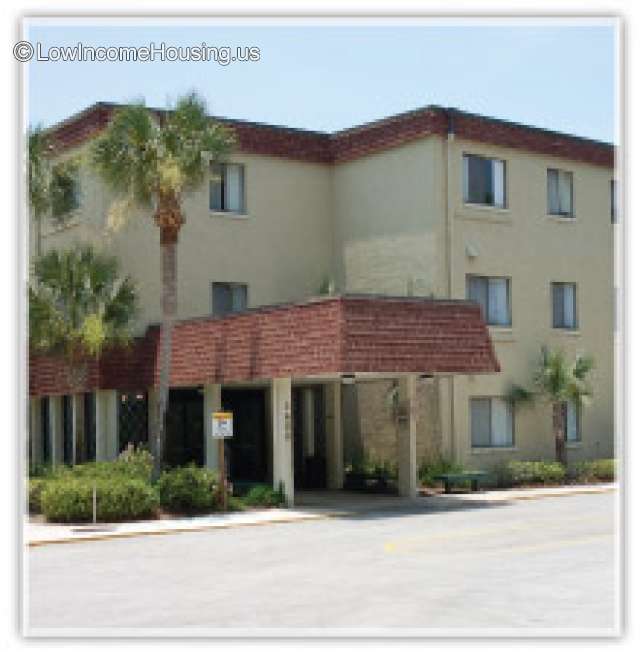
x=484 y=181
x=493 y=294
x=564 y=305
x=226 y=189
x=559 y=192
x=228 y=297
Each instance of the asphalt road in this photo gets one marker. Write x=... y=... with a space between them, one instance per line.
x=524 y=567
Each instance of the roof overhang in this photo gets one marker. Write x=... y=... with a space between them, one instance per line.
x=365 y=336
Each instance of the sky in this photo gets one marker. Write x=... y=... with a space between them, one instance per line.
x=329 y=77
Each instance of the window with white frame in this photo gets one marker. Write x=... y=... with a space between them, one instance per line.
x=572 y=422
x=484 y=180
x=559 y=192
x=228 y=297
x=491 y=422
x=226 y=188
x=493 y=294
x=564 y=305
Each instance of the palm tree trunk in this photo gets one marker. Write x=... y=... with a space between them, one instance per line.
x=559 y=430
x=169 y=247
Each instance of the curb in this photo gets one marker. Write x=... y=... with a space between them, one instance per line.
x=182 y=530
x=584 y=491
x=307 y=518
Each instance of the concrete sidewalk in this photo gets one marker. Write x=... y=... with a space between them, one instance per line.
x=311 y=506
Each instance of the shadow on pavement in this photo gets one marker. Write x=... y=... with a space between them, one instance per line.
x=364 y=506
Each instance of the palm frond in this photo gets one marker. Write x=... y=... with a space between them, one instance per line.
x=78 y=301
x=519 y=395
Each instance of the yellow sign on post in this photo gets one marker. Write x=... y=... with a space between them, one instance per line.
x=222 y=424
x=221 y=428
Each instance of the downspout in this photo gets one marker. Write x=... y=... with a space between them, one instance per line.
x=449 y=205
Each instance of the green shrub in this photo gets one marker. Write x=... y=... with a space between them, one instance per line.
x=70 y=499
x=371 y=466
x=135 y=462
x=36 y=486
x=188 y=489
x=41 y=470
x=597 y=470
x=516 y=473
x=131 y=464
x=263 y=495
x=431 y=468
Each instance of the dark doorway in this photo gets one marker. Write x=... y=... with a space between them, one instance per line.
x=184 y=441
x=247 y=450
x=87 y=449
x=67 y=430
x=46 y=430
x=309 y=471
x=133 y=412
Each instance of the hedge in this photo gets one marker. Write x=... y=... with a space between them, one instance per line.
x=515 y=473
x=189 y=489
x=597 y=470
x=70 y=499
x=36 y=486
x=263 y=495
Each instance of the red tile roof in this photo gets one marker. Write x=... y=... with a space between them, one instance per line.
x=325 y=337
x=349 y=144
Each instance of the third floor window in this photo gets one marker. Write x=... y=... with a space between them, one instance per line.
x=484 y=181
x=226 y=188
x=559 y=192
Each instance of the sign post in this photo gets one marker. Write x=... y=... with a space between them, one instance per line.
x=221 y=428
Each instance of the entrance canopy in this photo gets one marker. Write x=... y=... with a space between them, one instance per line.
x=324 y=337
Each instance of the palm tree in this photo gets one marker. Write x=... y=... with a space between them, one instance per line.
x=153 y=161
x=559 y=380
x=51 y=187
x=78 y=304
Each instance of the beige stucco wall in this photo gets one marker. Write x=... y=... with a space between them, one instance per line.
x=533 y=249
x=389 y=221
x=378 y=224
x=281 y=248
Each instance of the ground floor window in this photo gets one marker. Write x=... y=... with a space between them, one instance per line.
x=133 y=416
x=491 y=422
x=87 y=448
x=572 y=422
x=67 y=429
x=46 y=430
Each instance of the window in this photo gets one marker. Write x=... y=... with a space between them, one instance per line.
x=484 y=181
x=228 y=298
x=613 y=201
x=491 y=422
x=88 y=448
x=65 y=190
x=226 y=189
x=572 y=422
x=564 y=305
x=133 y=412
x=493 y=294
x=46 y=430
x=67 y=430
x=559 y=192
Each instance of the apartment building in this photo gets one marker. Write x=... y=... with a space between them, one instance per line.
x=463 y=243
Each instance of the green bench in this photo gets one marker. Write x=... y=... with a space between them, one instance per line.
x=456 y=478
